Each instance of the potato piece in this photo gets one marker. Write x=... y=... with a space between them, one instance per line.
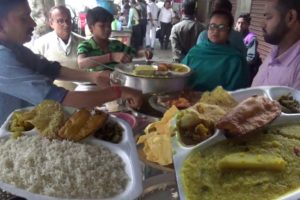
x=188 y=118
x=252 y=161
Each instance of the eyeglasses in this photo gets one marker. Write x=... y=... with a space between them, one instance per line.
x=219 y=27
x=62 y=21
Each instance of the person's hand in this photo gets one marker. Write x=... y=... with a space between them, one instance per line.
x=152 y=23
x=102 y=79
x=132 y=96
x=121 y=57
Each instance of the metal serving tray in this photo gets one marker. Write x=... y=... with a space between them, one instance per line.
x=181 y=151
x=155 y=84
x=126 y=149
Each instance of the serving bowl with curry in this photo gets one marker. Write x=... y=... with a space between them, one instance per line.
x=263 y=164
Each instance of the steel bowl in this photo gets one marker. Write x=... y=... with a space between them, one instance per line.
x=155 y=84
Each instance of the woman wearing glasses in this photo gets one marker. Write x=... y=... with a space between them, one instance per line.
x=214 y=62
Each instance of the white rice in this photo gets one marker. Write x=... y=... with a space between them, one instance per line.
x=61 y=168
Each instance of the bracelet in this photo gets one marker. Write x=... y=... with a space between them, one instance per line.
x=117 y=90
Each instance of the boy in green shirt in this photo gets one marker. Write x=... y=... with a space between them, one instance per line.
x=99 y=49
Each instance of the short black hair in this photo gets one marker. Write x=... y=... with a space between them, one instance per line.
x=98 y=14
x=223 y=5
x=246 y=17
x=189 y=7
x=285 y=5
x=7 y=5
x=225 y=14
x=132 y=2
x=167 y=1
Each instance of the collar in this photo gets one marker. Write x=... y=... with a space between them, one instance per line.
x=65 y=47
x=248 y=37
x=94 y=43
x=60 y=40
x=287 y=57
x=187 y=17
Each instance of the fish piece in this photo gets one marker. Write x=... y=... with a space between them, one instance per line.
x=82 y=124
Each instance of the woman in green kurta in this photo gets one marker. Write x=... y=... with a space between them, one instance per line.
x=214 y=62
x=99 y=48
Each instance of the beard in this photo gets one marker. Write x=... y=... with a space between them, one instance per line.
x=275 y=36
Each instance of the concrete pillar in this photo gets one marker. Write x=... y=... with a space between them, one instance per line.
x=39 y=12
x=202 y=10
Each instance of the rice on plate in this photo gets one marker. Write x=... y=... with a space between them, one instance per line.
x=61 y=168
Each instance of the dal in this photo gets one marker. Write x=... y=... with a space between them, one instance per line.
x=203 y=179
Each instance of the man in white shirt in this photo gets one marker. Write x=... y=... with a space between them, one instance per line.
x=60 y=44
x=152 y=24
x=166 y=16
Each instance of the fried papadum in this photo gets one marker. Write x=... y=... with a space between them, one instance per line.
x=252 y=113
x=82 y=124
x=157 y=139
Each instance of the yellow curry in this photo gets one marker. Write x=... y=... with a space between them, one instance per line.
x=265 y=166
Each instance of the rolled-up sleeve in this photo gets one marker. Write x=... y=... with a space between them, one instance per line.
x=31 y=80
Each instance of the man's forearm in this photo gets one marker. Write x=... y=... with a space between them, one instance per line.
x=90 y=62
x=67 y=74
x=89 y=98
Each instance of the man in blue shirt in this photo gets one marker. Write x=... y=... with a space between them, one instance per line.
x=27 y=79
